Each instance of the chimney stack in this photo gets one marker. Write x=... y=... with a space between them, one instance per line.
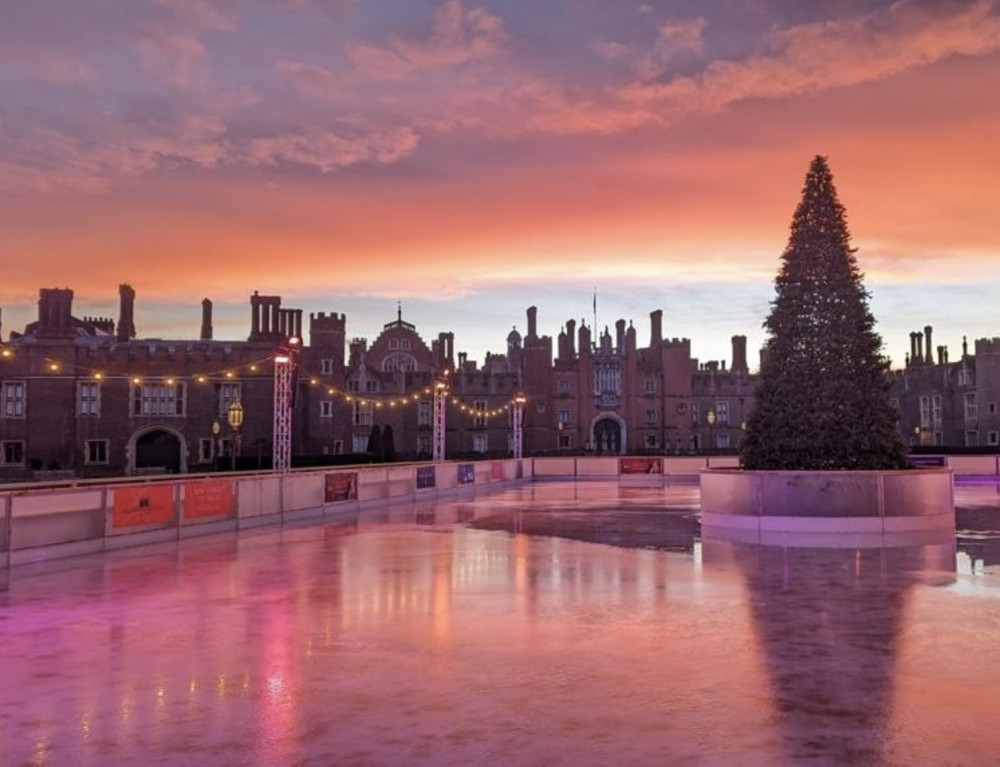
x=656 y=328
x=929 y=357
x=571 y=338
x=620 y=336
x=532 y=321
x=206 y=320
x=126 y=314
x=740 y=354
x=584 y=340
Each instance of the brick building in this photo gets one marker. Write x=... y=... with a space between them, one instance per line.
x=87 y=396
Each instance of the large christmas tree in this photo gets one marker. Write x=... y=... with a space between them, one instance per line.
x=822 y=399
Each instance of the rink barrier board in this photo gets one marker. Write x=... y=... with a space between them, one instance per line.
x=53 y=520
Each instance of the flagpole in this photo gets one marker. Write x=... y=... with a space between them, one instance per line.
x=595 y=312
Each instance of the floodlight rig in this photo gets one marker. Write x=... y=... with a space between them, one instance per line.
x=285 y=362
x=440 y=407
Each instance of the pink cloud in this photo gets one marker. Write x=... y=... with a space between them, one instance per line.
x=458 y=35
x=171 y=46
x=310 y=78
x=327 y=150
x=673 y=39
x=819 y=56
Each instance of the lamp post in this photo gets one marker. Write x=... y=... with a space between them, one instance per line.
x=234 y=414
x=216 y=431
x=519 y=401
x=710 y=417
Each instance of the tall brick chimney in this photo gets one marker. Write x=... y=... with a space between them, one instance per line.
x=206 y=320
x=656 y=328
x=126 y=314
x=532 y=322
x=929 y=356
x=739 y=353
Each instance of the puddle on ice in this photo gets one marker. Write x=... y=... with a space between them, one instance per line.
x=556 y=624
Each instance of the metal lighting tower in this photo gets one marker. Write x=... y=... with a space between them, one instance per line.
x=519 y=401
x=440 y=406
x=284 y=376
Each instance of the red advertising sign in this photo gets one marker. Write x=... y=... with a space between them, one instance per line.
x=640 y=465
x=212 y=498
x=142 y=506
x=496 y=470
x=342 y=486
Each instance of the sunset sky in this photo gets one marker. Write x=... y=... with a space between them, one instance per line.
x=473 y=158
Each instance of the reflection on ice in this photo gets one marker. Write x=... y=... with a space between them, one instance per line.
x=551 y=624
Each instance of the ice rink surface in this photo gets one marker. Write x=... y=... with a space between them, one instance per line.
x=551 y=624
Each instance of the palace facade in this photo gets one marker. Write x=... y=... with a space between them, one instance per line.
x=88 y=397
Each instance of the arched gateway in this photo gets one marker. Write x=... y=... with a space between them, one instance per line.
x=158 y=448
x=608 y=435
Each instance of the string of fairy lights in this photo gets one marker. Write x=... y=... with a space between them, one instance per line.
x=375 y=400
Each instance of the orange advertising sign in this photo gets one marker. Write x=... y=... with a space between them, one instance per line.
x=211 y=498
x=142 y=506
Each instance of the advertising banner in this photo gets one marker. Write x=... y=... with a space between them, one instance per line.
x=425 y=477
x=496 y=470
x=640 y=465
x=211 y=498
x=466 y=473
x=142 y=506
x=342 y=486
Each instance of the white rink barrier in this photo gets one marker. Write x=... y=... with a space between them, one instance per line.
x=47 y=521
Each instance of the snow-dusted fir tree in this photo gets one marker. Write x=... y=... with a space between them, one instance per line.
x=822 y=400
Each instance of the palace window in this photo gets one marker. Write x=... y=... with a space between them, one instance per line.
x=722 y=440
x=722 y=412
x=326 y=366
x=562 y=386
x=650 y=442
x=424 y=412
x=650 y=386
x=479 y=443
x=326 y=408
x=12 y=453
x=206 y=449
x=480 y=407
x=96 y=451
x=925 y=412
x=88 y=400
x=937 y=412
x=228 y=394
x=695 y=412
x=13 y=395
x=158 y=399
x=359 y=443
x=362 y=415
x=970 y=406
x=564 y=416
x=399 y=361
x=649 y=416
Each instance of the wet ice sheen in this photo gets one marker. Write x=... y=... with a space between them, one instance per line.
x=551 y=625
